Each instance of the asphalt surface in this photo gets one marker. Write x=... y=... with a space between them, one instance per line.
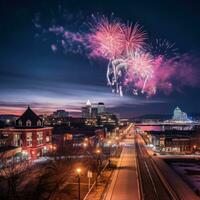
x=152 y=186
x=124 y=185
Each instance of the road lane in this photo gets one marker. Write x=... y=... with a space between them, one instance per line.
x=124 y=185
x=153 y=187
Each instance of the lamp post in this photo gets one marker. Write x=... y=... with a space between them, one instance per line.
x=98 y=163
x=109 y=162
x=78 y=170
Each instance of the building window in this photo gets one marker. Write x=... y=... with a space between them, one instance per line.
x=20 y=123
x=39 y=123
x=39 y=138
x=47 y=138
x=29 y=139
x=17 y=140
x=28 y=123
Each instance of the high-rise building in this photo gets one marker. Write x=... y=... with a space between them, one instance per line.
x=60 y=114
x=94 y=112
x=87 y=110
x=101 y=108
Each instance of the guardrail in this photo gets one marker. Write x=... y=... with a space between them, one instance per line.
x=165 y=183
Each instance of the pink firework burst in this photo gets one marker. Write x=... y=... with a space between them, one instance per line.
x=140 y=72
x=134 y=37
x=106 y=39
x=140 y=64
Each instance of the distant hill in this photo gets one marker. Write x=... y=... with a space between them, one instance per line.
x=5 y=116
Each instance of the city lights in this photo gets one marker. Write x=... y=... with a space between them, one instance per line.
x=100 y=100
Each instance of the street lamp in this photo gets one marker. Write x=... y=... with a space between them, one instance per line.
x=84 y=144
x=54 y=147
x=78 y=170
x=98 y=152
x=194 y=148
x=109 y=162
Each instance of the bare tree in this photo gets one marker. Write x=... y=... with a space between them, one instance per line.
x=53 y=180
x=12 y=171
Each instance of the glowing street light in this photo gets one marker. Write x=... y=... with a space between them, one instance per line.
x=54 y=147
x=98 y=151
x=85 y=144
x=78 y=170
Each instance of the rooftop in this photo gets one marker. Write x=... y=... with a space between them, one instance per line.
x=29 y=120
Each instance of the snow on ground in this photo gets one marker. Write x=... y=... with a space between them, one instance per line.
x=190 y=171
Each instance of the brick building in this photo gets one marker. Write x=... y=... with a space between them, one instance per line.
x=30 y=134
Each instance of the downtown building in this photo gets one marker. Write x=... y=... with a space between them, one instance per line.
x=29 y=134
x=179 y=115
x=98 y=116
x=60 y=114
x=89 y=111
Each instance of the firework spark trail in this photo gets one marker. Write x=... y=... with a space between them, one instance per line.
x=116 y=66
x=134 y=38
x=162 y=47
x=140 y=66
x=113 y=41
x=106 y=39
x=144 y=68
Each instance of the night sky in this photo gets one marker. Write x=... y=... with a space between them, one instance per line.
x=31 y=74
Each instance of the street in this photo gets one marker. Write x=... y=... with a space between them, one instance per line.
x=152 y=186
x=124 y=185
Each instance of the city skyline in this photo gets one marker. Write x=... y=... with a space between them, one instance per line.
x=99 y=100
x=31 y=74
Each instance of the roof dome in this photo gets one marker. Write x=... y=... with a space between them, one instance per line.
x=29 y=120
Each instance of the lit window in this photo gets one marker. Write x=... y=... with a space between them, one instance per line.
x=28 y=123
x=47 y=138
x=39 y=123
x=29 y=139
x=39 y=138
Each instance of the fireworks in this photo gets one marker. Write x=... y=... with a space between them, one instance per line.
x=133 y=38
x=115 y=41
x=140 y=70
x=106 y=39
x=112 y=39
x=134 y=64
x=162 y=47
